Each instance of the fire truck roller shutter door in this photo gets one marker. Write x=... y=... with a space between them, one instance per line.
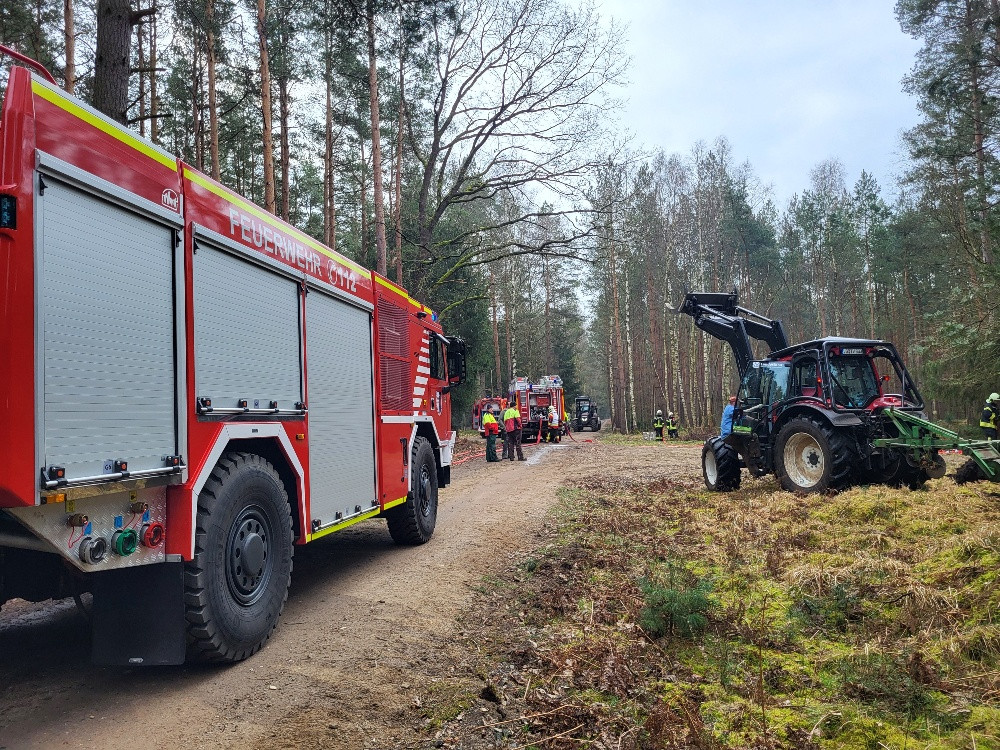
x=107 y=317
x=341 y=409
x=246 y=332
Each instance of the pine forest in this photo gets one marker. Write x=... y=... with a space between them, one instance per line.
x=474 y=152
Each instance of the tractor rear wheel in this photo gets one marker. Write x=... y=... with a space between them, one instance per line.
x=811 y=456
x=969 y=472
x=720 y=465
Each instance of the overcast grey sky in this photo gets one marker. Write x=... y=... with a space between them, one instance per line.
x=788 y=82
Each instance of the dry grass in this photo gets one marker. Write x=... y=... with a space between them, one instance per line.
x=869 y=618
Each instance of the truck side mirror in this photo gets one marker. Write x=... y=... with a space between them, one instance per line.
x=456 y=361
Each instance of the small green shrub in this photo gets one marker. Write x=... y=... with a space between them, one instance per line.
x=677 y=611
x=883 y=680
x=835 y=610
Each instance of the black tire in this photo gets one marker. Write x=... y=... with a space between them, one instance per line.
x=413 y=522
x=720 y=466
x=969 y=472
x=243 y=514
x=812 y=456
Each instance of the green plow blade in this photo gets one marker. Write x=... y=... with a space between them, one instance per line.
x=920 y=437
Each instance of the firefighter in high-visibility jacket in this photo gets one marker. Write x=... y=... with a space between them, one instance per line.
x=512 y=439
x=552 y=436
x=503 y=428
x=990 y=417
x=671 y=425
x=658 y=424
x=491 y=429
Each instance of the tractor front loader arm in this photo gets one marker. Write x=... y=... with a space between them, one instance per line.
x=718 y=314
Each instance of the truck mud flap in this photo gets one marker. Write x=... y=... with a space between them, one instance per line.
x=138 y=616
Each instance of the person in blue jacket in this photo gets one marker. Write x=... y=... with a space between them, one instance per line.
x=727 y=417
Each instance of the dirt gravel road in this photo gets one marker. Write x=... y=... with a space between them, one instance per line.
x=368 y=635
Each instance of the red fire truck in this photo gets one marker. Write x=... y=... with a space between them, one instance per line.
x=533 y=400
x=481 y=406
x=191 y=388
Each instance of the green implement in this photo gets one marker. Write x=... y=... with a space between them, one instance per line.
x=921 y=442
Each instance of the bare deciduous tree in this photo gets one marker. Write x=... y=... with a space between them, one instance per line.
x=521 y=89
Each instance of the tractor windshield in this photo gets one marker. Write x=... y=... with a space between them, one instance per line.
x=855 y=384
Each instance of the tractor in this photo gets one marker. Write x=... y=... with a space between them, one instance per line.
x=819 y=415
x=585 y=415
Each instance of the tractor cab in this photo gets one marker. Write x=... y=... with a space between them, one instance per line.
x=843 y=380
x=869 y=376
x=585 y=414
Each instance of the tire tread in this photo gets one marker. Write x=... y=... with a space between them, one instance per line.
x=205 y=643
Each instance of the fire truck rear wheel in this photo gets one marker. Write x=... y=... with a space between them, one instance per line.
x=413 y=522
x=237 y=584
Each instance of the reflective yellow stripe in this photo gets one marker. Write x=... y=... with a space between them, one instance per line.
x=394 y=503
x=105 y=126
x=261 y=214
x=352 y=521
x=392 y=287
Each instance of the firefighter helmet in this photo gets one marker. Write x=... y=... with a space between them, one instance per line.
x=659 y=412
x=994 y=397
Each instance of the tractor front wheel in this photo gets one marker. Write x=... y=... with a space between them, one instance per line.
x=811 y=456
x=720 y=465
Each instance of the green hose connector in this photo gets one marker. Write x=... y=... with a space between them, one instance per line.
x=124 y=542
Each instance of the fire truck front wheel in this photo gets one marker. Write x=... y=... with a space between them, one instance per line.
x=236 y=586
x=413 y=522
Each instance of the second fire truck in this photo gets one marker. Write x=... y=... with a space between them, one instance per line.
x=533 y=400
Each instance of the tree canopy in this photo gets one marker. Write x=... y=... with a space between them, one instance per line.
x=472 y=151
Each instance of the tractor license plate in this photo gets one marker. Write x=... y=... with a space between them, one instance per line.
x=846 y=352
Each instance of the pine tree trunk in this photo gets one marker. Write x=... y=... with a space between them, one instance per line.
x=363 y=194
x=612 y=396
x=978 y=141
x=213 y=109
x=111 y=66
x=397 y=218
x=512 y=340
x=140 y=52
x=284 y=111
x=630 y=357
x=69 y=36
x=329 y=205
x=197 y=132
x=377 y=203
x=496 y=332
x=265 y=103
x=154 y=105
x=655 y=336
x=550 y=366
x=619 y=420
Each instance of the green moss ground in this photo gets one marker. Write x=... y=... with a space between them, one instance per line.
x=864 y=619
